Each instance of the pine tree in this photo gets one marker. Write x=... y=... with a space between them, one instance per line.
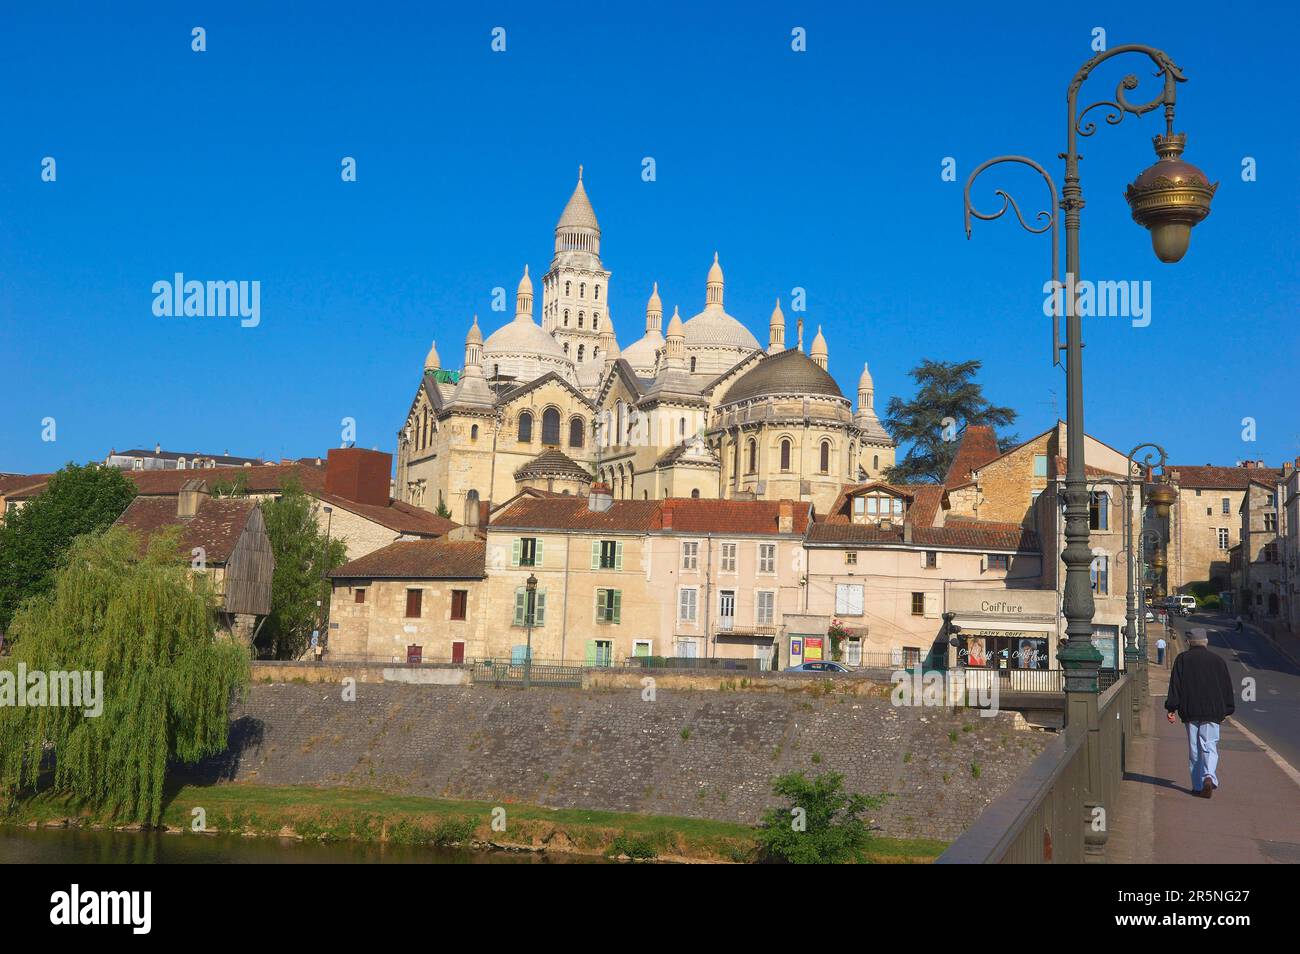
x=931 y=424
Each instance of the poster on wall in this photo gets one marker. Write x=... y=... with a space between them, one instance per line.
x=812 y=648
x=1002 y=650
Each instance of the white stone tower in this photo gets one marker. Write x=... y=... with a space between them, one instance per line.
x=575 y=292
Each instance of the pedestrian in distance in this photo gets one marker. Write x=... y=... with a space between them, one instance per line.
x=1201 y=693
x=1160 y=651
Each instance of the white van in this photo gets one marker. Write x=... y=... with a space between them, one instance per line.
x=1186 y=602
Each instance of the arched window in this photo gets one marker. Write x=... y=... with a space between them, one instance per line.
x=692 y=365
x=681 y=427
x=581 y=316
x=595 y=353
x=582 y=289
x=875 y=462
x=580 y=350
x=567 y=286
x=566 y=349
x=566 y=317
x=526 y=428
x=576 y=428
x=695 y=494
x=595 y=321
x=785 y=455
x=826 y=457
x=473 y=432
x=597 y=293
x=753 y=456
x=550 y=426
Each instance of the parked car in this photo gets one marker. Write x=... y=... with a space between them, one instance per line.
x=818 y=667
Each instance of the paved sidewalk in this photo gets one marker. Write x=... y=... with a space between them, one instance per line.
x=1253 y=818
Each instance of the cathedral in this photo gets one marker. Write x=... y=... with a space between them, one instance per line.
x=697 y=409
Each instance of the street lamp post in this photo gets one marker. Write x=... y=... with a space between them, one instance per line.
x=530 y=607
x=1168 y=198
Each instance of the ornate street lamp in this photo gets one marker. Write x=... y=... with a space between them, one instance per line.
x=1161 y=497
x=1169 y=198
x=530 y=612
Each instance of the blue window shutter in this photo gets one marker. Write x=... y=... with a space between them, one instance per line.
x=518 y=654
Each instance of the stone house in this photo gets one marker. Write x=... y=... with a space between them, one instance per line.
x=884 y=564
x=1262 y=590
x=726 y=573
x=593 y=602
x=224 y=537
x=427 y=594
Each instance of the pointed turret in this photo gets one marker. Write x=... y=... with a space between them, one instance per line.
x=431 y=361
x=713 y=285
x=654 y=312
x=524 y=297
x=819 y=353
x=776 y=330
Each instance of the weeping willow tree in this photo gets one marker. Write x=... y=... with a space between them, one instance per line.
x=149 y=625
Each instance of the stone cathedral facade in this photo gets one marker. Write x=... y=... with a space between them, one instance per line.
x=694 y=409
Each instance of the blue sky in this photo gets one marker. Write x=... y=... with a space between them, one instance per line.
x=818 y=169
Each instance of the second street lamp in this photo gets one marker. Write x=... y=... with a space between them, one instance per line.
x=530 y=612
x=1169 y=198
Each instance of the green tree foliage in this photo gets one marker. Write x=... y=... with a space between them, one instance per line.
x=34 y=539
x=302 y=561
x=944 y=389
x=818 y=824
x=150 y=626
x=225 y=487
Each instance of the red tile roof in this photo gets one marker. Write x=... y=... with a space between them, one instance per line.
x=398 y=516
x=420 y=560
x=979 y=445
x=216 y=527
x=263 y=479
x=571 y=513
x=1222 y=478
x=692 y=515
x=925 y=501
x=20 y=486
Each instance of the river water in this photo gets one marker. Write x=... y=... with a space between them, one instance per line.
x=74 y=846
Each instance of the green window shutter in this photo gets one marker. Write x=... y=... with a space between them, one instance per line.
x=600 y=601
x=537 y=553
x=521 y=605
x=515 y=547
x=618 y=555
x=591 y=652
x=618 y=604
x=539 y=611
x=595 y=554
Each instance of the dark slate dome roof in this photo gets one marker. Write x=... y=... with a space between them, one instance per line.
x=552 y=463
x=786 y=372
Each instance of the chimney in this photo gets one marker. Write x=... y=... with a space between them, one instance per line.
x=907 y=529
x=785 y=517
x=157 y=448
x=667 y=512
x=359 y=475
x=188 y=500
x=600 y=498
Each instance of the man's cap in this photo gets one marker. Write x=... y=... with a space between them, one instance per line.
x=1198 y=636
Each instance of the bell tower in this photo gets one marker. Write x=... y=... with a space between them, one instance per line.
x=575 y=291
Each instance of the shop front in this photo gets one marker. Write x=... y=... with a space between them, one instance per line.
x=1003 y=630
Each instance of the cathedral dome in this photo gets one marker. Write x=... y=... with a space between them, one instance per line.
x=714 y=328
x=643 y=354
x=522 y=350
x=789 y=372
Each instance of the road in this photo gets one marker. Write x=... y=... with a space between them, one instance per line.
x=1274 y=715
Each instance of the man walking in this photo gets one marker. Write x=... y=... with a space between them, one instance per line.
x=1160 y=651
x=1200 y=691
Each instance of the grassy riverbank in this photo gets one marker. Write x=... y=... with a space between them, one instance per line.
x=358 y=815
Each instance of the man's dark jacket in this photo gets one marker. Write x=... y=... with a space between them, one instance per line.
x=1200 y=689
